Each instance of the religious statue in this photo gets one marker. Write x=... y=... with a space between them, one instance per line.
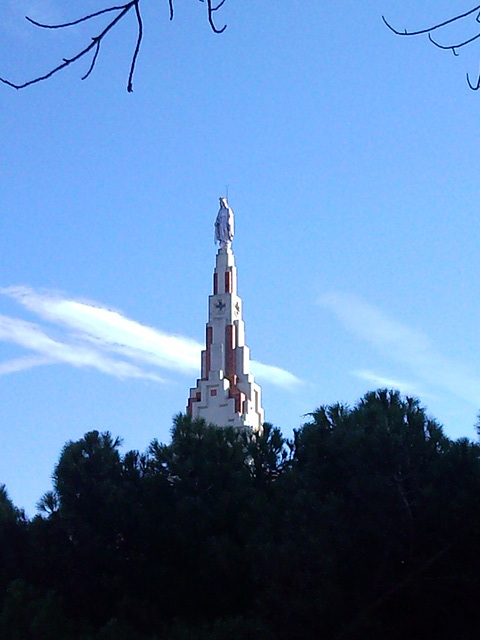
x=224 y=225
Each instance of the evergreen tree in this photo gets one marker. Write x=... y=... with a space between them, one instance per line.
x=365 y=525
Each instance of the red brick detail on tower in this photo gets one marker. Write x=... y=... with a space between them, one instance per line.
x=239 y=397
x=209 y=339
x=228 y=282
x=215 y=283
x=191 y=401
x=230 y=369
x=230 y=339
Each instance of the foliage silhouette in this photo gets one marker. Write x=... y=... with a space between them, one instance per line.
x=365 y=525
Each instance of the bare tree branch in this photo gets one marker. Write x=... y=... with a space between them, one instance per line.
x=137 y=49
x=453 y=47
x=448 y=47
x=94 y=59
x=435 y=26
x=473 y=87
x=67 y=61
x=71 y=24
x=210 y=16
x=219 y=5
x=96 y=41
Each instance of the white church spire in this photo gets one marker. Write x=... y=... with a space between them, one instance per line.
x=226 y=394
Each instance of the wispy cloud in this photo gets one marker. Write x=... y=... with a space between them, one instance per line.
x=105 y=339
x=275 y=375
x=33 y=338
x=405 y=345
x=108 y=329
x=20 y=364
x=389 y=383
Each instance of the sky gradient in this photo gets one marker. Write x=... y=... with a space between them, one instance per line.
x=351 y=159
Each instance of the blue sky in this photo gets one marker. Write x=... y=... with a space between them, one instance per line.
x=352 y=161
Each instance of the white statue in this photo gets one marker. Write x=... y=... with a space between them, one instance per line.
x=224 y=225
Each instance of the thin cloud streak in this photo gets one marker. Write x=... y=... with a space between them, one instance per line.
x=21 y=364
x=275 y=375
x=110 y=330
x=107 y=340
x=382 y=381
x=33 y=338
x=403 y=345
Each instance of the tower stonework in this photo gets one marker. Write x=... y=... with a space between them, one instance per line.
x=226 y=394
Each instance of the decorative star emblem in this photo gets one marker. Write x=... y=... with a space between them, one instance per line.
x=220 y=305
x=237 y=308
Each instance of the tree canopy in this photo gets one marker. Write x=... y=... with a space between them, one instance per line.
x=366 y=524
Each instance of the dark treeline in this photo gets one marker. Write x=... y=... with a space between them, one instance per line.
x=366 y=525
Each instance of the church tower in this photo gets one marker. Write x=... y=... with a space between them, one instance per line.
x=226 y=394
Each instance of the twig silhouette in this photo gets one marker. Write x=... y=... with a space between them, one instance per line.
x=120 y=12
x=440 y=25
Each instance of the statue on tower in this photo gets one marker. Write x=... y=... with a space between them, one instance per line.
x=224 y=225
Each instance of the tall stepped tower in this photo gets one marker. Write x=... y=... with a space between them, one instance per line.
x=226 y=394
